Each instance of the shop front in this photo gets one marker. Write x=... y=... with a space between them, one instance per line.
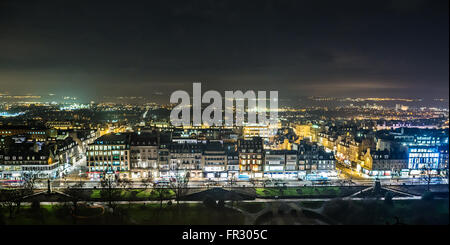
x=244 y=176
x=291 y=175
x=377 y=173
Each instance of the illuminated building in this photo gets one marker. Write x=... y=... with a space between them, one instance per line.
x=67 y=151
x=35 y=133
x=6 y=142
x=192 y=134
x=274 y=164
x=401 y=107
x=420 y=157
x=326 y=140
x=163 y=161
x=399 y=140
x=60 y=125
x=144 y=155
x=109 y=155
x=304 y=131
x=432 y=140
x=314 y=132
x=72 y=107
x=214 y=161
x=349 y=151
x=25 y=159
x=280 y=164
x=84 y=138
x=7 y=114
x=232 y=161
x=183 y=158
x=250 y=158
x=314 y=163
x=443 y=161
x=267 y=132
x=262 y=131
x=384 y=164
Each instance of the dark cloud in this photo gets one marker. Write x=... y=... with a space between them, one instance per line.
x=340 y=48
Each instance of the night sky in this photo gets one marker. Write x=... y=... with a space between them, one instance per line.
x=136 y=48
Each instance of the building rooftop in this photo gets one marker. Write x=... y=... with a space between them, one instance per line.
x=113 y=139
x=144 y=139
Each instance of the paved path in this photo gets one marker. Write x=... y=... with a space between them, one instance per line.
x=255 y=200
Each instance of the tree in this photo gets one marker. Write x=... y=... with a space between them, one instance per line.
x=147 y=182
x=12 y=199
x=29 y=181
x=221 y=204
x=264 y=183
x=28 y=185
x=254 y=182
x=281 y=187
x=75 y=195
x=427 y=175
x=161 y=194
x=9 y=200
x=179 y=186
x=124 y=183
x=232 y=181
x=109 y=191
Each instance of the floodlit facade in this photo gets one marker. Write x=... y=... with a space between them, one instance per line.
x=280 y=164
x=420 y=158
x=251 y=158
x=144 y=156
x=184 y=159
x=214 y=161
x=382 y=164
x=109 y=156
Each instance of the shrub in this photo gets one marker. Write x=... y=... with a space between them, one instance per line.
x=388 y=198
x=221 y=204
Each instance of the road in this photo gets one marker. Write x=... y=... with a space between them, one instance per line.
x=347 y=176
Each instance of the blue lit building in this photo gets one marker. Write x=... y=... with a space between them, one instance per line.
x=430 y=140
x=443 y=160
x=420 y=157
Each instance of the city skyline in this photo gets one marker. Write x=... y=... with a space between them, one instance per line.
x=92 y=50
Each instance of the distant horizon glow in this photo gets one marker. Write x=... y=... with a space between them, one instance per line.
x=91 y=50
